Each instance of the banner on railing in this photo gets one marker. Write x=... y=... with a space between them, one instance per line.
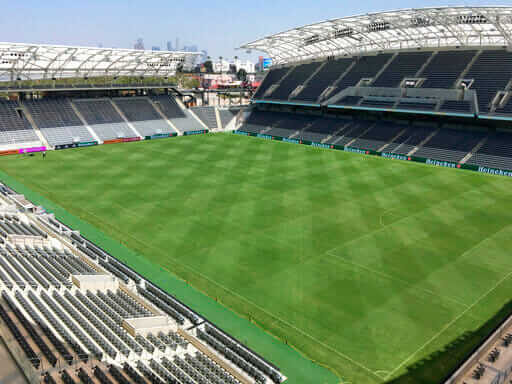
x=198 y=132
x=32 y=150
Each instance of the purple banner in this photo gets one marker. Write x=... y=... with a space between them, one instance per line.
x=33 y=149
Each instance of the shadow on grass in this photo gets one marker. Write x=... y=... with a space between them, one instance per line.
x=440 y=365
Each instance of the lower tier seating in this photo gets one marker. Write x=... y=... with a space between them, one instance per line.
x=450 y=145
x=207 y=115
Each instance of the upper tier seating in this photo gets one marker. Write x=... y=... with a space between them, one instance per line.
x=378 y=103
x=445 y=68
x=491 y=72
x=404 y=65
x=14 y=128
x=456 y=106
x=366 y=67
x=144 y=117
x=103 y=118
x=450 y=145
x=416 y=105
x=58 y=121
x=296 y=77
x=273 y=76
x=506 y=109
x=207 y=115
x=324 y=78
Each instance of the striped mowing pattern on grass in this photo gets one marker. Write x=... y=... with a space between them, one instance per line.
x=363 y=264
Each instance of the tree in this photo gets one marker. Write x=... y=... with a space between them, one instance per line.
x=241 y=74
x=208 y=66
x=179 y=68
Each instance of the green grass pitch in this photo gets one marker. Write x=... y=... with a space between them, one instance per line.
x=364 y=265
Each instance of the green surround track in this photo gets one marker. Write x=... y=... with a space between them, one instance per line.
x=363 y=264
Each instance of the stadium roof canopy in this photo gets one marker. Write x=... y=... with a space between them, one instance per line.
x=393 y=30
x=34 y=61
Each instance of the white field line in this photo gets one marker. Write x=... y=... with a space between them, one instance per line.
x=448 y=325
x=394 y=278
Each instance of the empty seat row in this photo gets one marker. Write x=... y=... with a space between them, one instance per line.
x=244 y=353
x=20 y=339
x=50 y=335
x=98 y=324
x=114 y=326
x=82 y=355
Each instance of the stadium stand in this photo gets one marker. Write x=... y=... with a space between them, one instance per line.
x=207 y=115
x=365 y=67
x=321 y=129
x=496 y=152
x=325 y=77
x=182 y=119
x=57 y=121
x=379 y=135
x=272 y=78
x=103 y=119
x=404 y=65
x=450 y=145
x=296 y=77
x=227 y=115
x=506 y=109
x=491 y=72
x=144 y=117
x=14 y=127
x=83 y=327
x=445 y=68
x=289 y=124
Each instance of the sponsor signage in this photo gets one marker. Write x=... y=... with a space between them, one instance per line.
x=76 y=145
x=292 y=141
x=356 y=150
x=494 y=171
x=130 y=139
x=395 y=156
x=266 y=137
x=199 y=132
x=112 y=141
x=10 y=152
x=321 y=145
x=33 y=149
x=88 y=144
x=242 y=133
x=446 y=164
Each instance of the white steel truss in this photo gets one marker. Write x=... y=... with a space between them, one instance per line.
x=393 y=30
x=33 y=61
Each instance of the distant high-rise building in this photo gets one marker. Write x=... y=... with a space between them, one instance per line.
x=139 y=44
x=155 y=48
x=190 y=48
x=177 y=46
x=169 y=46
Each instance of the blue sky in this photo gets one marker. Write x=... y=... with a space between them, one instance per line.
x=215 y=25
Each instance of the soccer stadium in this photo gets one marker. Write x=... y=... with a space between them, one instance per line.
x=351 y=223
